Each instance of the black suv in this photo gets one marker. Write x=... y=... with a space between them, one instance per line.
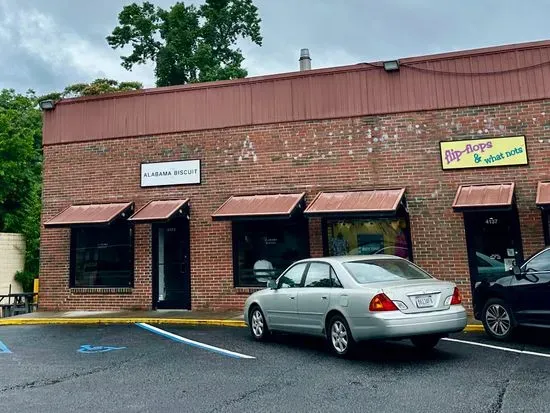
x=520 y=298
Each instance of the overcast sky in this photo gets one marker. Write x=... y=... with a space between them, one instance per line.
x=46 y=45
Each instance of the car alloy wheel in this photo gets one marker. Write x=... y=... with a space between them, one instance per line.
x=258 y=326
x=339 y=336
x=497 y=319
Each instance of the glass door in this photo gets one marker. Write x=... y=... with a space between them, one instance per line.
x=546 y=226
x=171 y=269
x=494 y=243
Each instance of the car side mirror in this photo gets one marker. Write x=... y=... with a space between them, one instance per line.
x=516 y=270
x=272 y=284
x=532 y=278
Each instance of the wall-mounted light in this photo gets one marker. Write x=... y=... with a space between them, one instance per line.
x=391 y=65
x=47 y=104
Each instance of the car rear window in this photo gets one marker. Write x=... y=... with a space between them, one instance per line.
x=370 y=271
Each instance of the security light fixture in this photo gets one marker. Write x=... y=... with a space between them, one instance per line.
x=391 y=65
x=47 y=104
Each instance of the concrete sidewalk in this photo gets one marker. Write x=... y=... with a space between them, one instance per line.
x=225 y=318
x=211 y=318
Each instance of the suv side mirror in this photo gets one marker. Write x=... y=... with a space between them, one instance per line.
x=516 y=270
x=272 y=284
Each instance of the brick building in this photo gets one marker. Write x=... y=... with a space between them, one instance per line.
x=192 y=196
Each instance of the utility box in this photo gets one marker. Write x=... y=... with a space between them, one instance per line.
x=12 y=260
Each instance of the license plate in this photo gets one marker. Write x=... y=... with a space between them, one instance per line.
x=425 y=301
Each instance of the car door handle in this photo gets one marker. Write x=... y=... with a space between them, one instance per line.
x=324 y=297
x=292 y=298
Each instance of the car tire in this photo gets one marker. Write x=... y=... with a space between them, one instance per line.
x=258 y=324
x=498 y=320
x=425 y=342
x=339 y=337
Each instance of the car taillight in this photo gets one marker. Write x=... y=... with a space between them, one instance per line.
x=381 y=302
x=457 y=299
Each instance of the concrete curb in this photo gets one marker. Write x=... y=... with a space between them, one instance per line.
x=470 y=328
x=474 y=328
x=104 y=320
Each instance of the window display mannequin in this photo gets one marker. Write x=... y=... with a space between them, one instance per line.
x=263 y=270
x=401 y=244
x=339 y=245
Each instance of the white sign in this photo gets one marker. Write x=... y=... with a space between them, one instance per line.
x=171 y=173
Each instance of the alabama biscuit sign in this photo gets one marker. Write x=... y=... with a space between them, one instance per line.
x=482 y=153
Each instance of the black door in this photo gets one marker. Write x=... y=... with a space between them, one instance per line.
x=494 y=243
x=531 y=291
x=546 y=225
x=171 y=278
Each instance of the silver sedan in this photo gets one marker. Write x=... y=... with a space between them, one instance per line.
x=354 y=298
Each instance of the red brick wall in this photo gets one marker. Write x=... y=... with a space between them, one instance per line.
x=344 y=154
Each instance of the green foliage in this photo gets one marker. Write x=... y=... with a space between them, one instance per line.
x=21 y=163
x=20 y=172
x=188 y=43
x=20 y=155
x=97 y=87
x=26 y=280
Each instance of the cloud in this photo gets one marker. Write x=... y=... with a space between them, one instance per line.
x=49 y=45
x=60 y=51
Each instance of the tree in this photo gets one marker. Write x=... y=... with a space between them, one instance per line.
x=186 y=43
x=20 y=174
x=97 y=87
x=21 y=163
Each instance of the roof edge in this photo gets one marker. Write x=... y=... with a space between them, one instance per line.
x=361 y=66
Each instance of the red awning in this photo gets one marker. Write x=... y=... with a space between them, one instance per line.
x=159 y=210
x=484 y=196
x=258 y=206
x=543 y=194
x=384 y=201
x=90 y=214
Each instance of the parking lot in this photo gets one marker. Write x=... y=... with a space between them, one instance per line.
x=134 y=369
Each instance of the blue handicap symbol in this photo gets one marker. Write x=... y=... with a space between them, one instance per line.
x=87 y=349
x=4 y=348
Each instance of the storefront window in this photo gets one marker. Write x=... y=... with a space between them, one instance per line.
x=264 y=249
x=494 y=243
x=546 y=223
x=368 y=236
x=102 y=257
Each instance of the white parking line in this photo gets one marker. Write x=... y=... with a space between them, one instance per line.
x=4 y=348
x=512 y=350
x=193 y=343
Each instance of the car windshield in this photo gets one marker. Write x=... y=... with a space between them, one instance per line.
x=370 y=271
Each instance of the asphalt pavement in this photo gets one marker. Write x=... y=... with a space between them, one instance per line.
x=127 y=368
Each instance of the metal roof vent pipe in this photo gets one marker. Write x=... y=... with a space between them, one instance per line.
x=305 y=60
